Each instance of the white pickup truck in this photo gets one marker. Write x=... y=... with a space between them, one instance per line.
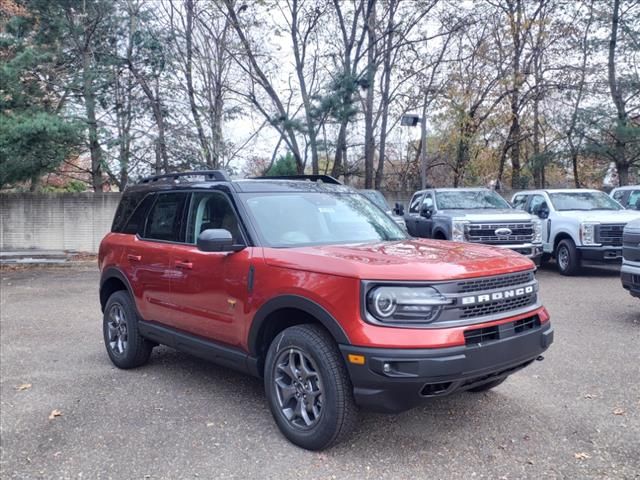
x=579 y=226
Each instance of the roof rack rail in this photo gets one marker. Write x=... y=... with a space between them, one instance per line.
x=309 y=178
x=217 y=175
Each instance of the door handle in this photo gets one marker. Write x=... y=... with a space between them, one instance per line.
x=184 y=264
x=134 y=258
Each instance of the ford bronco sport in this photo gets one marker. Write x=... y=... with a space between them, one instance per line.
x=476 y=215
x=312 y=287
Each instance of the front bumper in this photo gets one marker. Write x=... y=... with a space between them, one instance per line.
x=394 y=380
x=600 y=254
x=630 y=276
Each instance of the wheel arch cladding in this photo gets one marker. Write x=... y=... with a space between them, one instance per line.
x=286 y=311
x=559 y=237
x=112 y=281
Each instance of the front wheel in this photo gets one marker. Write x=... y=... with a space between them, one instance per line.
x=125 y=346
x=308 y=388
x=567 y=257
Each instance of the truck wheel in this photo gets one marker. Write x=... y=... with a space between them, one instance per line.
x=308 y=388
x=487 y=386
x=567 y=258
x=125 y=346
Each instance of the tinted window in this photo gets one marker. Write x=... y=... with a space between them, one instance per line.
x=211 y=210
x=519 y=202
x=127 y=205
x=135 y=224
x=165 y=219
x=414 y=206
x=618 y=195
x=633 y=201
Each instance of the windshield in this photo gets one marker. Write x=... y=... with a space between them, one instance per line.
x=462 y=200
x=295 y=219
x=564 y=201
x=376 y=197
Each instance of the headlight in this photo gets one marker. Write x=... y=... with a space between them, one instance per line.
x=459 y=230
x=588 y=233
x=390 y=304
x=537 y=231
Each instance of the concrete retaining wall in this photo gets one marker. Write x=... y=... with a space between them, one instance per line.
x=68 y=221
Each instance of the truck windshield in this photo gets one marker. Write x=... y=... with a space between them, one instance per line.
x=293 y=219
x=470 y=199
x=563 y=201
x=376 y=197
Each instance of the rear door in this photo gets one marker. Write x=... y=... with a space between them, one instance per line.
x=150 y=257
x=412 y=216
x=210 y=289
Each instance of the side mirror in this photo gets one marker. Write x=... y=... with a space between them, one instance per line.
x=217 y=240
x=543 y=212
x=399 y=209
x=426 y=212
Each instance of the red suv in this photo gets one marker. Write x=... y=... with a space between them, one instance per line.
x=306 y=283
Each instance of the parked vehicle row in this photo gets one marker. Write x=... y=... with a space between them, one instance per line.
x=313 y=288
x=628 y=197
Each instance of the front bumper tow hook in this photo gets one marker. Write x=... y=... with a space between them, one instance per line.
x=540 y=358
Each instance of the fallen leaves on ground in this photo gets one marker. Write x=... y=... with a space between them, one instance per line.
x=55 y=413
x=24 y=386
x=582 y=456
x=619 y=411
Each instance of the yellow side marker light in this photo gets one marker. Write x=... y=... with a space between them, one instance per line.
x=356 y=359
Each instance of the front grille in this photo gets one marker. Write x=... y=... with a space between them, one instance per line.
x=491 y=283
x=610 y=235
x=480 y=335
x=497 y=306
x=498 y=332
x=486 y=233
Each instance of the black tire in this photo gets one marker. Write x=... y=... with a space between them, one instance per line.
x=125 y=346
x=487 y=386
x=332 y=406
x=567 y=258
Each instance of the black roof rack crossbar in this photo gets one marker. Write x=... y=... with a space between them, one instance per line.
x=310 y=178
x=217 y=175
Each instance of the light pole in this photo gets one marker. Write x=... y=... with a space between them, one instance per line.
x=411 y=120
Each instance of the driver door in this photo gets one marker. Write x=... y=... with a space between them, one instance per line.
x=536 y=204
x=425 y=224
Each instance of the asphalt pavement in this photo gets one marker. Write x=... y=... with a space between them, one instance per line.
x=66 y=412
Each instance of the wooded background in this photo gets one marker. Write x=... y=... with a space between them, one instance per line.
x=519 y=93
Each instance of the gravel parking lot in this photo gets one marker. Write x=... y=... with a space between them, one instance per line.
x=575 y=415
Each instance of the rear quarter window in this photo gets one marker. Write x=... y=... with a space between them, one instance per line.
x=127 y=206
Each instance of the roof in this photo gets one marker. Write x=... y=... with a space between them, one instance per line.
x=627 y=187
x=459 y=189
x=557 y=190
x=208 y=179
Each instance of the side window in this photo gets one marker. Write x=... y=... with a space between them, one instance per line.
x=618 y=196
x=519 y=202
x=536 y=202
x=135 y=223
x=127 y=205
x=211 y=210
x=165 y=219
x=634 y=200
x=427 y=201
x=416 y=201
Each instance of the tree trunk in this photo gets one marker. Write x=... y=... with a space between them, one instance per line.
x=92 y=123
x=341 y=148
x=369 y=140
x=204 y=144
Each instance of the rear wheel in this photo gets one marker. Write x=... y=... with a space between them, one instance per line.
x=487 y=386
x=308 y=388
x=567 y=257
x=125 y=346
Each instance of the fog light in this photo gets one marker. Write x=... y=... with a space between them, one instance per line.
x=386 y=368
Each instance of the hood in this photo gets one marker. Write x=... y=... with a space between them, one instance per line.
x=414 y=260
x=488 y=215
x=602 y=216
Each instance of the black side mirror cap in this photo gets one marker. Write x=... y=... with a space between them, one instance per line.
x=217 y=240
x=399 y=209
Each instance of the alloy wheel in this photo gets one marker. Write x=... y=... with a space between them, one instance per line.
x=563 y=258
x=117 y=330
x=298 y=388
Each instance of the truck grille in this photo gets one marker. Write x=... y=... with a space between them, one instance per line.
x=486 y=233
x=495 y=282
x=610 y=235
x=631 y=247
x=498 y=306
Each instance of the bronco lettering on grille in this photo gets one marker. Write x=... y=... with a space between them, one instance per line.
x=496 y=296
